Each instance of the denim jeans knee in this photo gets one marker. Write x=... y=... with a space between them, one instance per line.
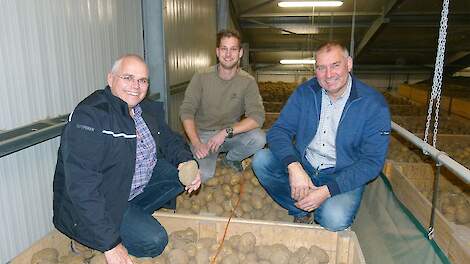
x=338 y=212
x=273 y=176
x=141 y=234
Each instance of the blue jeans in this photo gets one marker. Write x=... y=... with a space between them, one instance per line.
x=336 y=213
x=141 y=233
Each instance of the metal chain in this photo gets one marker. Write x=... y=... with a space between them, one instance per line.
x=438 y=69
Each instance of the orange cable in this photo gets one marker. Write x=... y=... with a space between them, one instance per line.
x=229 y=219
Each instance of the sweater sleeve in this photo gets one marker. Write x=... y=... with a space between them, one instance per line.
x=174 y=147
x=254 y=103
x=192 y=98
x=83 y=152
x=371 y=156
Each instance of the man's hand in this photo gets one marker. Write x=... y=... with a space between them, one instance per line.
x=299 y=181
x=217 y=140
x=314 y=199
x=201 y=150
x=195 y=184
x=118 y=255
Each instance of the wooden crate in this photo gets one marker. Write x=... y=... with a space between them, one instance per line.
x=342 y=247
x=405 y=189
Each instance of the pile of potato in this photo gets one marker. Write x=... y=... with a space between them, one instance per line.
x=447 y=124
x=273 y=107
x=219 y=196
x=396 y=100
x=407 y=110
x=276 y=91
x=402 y=151
x=186 y=247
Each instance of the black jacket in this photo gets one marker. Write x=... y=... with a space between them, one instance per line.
x=96 y=163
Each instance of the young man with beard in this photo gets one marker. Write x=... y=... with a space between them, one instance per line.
x=330 y=139
x=213 y=106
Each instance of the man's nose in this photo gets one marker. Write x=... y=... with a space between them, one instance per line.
x=329 y=72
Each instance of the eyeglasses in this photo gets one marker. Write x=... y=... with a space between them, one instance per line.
x=131 y=79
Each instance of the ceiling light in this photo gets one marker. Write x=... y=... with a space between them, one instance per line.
x=309 y=3
x=303 y=61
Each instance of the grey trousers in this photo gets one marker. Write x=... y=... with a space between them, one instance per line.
x=238 y=148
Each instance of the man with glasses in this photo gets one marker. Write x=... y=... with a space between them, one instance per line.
x=118 y=162
x=213 y=106
x=329 y=141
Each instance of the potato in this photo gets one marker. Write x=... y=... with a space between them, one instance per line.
x=255 y=182
x=234 y=241
x=462 y=214
x=219 y=196
x=246 y=207
x=263 y=252
x=235 y=179
x=310 y=259
x=214 y=181
x=98 y=259
x=188 y=172
x=227 y=205
x=236 y=188
x=45 y=256
x=231 y=259
x=202 y=256
x=73 y=259
x=280 y=254
x=247 y=242
x=178 y=256
x=228 y=193
x=321 y=254
x=162 y=259
x=256 y=202
x=251 y=257
x=215 y=208
x=302 y=252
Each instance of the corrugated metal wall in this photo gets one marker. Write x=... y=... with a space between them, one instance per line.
x=190 y=35
x=52 y=54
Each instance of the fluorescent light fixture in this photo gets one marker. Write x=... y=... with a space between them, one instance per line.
x=303 y=61
x=310 y=3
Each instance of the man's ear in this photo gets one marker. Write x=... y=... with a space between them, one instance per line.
x=110 y=79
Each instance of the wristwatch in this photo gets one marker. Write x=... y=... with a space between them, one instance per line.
x=229 y=131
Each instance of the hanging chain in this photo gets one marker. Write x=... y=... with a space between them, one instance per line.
x=437 y=81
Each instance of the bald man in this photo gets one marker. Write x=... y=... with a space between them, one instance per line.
x=117 y=163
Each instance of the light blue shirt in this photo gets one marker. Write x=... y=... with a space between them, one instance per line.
x=321 y=152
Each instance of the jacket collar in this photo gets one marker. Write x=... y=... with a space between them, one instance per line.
x=117 y=103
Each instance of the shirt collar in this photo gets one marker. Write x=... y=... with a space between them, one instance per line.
x=137 y=110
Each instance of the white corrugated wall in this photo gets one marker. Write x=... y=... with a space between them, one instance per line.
x=53 y=53
x=190 y=35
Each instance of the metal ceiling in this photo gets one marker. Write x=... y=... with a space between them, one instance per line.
x=389 y=35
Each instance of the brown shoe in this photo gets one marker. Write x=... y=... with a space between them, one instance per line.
x=81 y=250
x=307 y=219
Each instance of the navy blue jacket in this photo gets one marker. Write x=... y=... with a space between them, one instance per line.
x=96 y=163
x=361 y=141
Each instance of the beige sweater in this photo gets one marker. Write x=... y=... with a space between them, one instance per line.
x=214 y=103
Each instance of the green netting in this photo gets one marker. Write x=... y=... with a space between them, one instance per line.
x=389 y=233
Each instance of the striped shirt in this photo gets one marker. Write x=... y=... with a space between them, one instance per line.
x=146 y=155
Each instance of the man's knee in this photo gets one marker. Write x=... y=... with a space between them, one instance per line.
x=334 y=221
x=261 y=161
x=153 y=243
x=258 y=139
